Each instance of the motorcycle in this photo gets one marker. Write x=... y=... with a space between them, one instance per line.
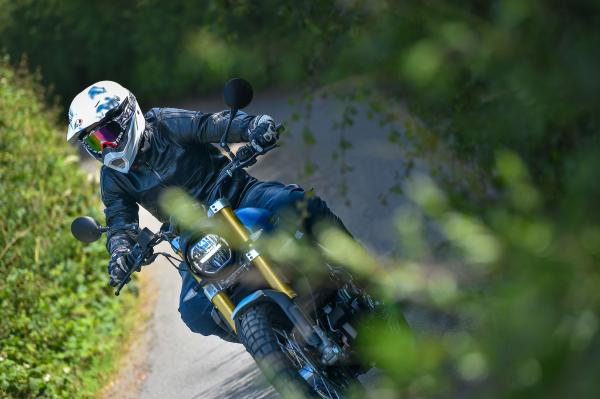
x=302 y=340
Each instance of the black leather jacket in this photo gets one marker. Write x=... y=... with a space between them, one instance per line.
x=175 y=152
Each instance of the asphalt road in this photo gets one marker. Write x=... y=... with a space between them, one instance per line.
x=185 y=365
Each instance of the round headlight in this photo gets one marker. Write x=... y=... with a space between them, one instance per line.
x=209 y=255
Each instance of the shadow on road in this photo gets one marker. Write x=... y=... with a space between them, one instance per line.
x=244 y=383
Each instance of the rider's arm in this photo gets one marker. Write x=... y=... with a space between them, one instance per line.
x=198 y=127
x=120 y=210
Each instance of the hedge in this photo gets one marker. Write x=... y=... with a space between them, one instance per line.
x=60 y=321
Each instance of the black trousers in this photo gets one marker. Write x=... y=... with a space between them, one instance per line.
x=194 y=307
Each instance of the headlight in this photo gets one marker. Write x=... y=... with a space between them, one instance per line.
x=209 y=255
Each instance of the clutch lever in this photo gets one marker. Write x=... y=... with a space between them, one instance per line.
x=142 y=255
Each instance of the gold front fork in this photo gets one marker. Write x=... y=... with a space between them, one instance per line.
x=223 y=208
x=220 y=299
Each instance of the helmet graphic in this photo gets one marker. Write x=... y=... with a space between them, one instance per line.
x=107 y=120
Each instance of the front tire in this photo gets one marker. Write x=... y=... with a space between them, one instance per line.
x=263 y=330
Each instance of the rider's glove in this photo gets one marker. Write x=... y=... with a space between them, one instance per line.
x=262 y=132
x=118 y=266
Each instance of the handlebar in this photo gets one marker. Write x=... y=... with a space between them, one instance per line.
x=246 y=156
x=143 y=252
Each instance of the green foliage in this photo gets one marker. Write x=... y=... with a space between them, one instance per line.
x=483 y=75
x=78 y=42
x=518 y=291
x=59 y=319
x=164 y=49
x=505 y=98
x=525 y=285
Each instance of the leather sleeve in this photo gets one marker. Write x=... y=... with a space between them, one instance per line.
x=120 y=210
x=197 y=127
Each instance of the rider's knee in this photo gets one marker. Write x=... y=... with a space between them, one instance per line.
x=287 y=198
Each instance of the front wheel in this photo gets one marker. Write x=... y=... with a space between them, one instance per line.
x=291 y=367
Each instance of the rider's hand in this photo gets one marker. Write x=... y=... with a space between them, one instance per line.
x=262 y=132
x=118 y=266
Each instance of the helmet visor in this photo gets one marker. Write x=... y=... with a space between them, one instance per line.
x=105 y=136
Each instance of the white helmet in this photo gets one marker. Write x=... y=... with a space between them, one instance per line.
x=107 y=120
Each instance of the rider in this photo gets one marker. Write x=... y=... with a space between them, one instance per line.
x=144 y=154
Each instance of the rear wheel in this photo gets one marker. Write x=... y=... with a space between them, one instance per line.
x=290 y=367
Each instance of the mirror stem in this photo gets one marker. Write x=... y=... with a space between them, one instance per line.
x=223 y=142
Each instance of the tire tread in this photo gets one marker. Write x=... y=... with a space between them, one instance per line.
x=255 y=331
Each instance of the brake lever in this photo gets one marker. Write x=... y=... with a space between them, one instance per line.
x=269 y=148
x=252 y=159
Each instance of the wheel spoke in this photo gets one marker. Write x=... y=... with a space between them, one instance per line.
x=319 y=381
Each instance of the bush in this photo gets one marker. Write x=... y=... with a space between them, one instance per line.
x=166 y=49
x=76 y=43
x=59 y=319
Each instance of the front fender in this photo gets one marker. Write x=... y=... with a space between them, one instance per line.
x=289 y=308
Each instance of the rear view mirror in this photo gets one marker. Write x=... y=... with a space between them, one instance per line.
x=86 y=229
x=237 y=93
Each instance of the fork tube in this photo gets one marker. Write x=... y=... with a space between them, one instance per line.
x=220 y=300
x=235 y=223
x=223 y=208
x=272 y=279
x=223 y=303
